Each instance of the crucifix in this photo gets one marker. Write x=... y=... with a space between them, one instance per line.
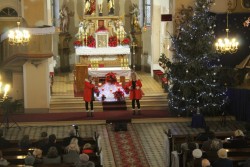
x=133 y=45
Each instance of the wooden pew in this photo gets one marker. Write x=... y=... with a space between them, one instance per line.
x=16 y=155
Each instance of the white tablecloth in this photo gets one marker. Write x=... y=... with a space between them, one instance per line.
x=119 y=50
x=101 y=72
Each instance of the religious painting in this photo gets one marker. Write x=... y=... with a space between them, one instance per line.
x=101 y=40
x=100 y=24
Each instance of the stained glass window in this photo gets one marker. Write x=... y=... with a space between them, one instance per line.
x=8 y=12
x=147 y=12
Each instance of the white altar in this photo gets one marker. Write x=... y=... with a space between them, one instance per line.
x=108 y=89
x=101 y=72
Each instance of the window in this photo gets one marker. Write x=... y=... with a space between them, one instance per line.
x=8 y=12
x=147 y=12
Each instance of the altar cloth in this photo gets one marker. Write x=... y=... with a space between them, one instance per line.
x=119 y=50
x=101 y=72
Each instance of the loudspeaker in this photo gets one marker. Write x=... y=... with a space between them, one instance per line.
x=120 y=126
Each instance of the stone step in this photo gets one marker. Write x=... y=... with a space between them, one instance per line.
x=100 y=108
x=66 y=103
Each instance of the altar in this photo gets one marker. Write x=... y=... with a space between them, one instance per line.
x=102 y=47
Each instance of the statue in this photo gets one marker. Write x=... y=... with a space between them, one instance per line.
x=100 y=7
x=83 y=29
x=111 y=7
x=89 y=7
x=134 y=12
x=65 y=18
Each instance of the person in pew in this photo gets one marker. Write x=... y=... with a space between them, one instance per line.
x=52 y=157
x=38 y=154
x=204 y=136
x=24 y=142
x=3 y=142
x=237 y=141
x=222 y=161
x=212 y=144
x=197 y=155
x=87 y=149
x=29 y=160
x=3 y=162
x=52 y=143
x=73 y=146
x=205 y=163
x=187 y=149
x=72 y=134
x=71 y=157
x=84 y=161
x=42 y=141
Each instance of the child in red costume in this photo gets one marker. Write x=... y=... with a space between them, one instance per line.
x=135 y=93
x=88 y=95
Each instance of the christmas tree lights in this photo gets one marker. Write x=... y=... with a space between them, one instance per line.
x=193 y=74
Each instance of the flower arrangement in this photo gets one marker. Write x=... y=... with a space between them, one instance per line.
x=118 y=95
x=96 y=91
x=126 y=41
x=77 y=43
x=111 y=78
x=90 y=41
x=113 y=41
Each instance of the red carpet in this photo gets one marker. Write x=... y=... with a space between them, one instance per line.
x=72 y=116
x=126 y=148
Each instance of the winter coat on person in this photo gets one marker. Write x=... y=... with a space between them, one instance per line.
x=88 y=91
x=137 y=92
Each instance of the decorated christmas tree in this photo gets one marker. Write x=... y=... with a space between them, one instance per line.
x=193 y=72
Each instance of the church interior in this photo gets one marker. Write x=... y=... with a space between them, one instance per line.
x=162 y=74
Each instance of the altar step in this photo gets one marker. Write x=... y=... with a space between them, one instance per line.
x=69 y=103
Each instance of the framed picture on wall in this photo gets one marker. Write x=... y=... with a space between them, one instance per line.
x=101 y=39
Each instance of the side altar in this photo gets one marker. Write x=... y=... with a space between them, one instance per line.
x=102 y=46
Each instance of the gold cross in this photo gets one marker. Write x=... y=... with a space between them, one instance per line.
x=133 y=47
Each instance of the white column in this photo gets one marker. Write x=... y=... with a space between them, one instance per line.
x=155 y=35
x=36 y=86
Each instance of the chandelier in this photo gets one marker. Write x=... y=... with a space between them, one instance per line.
x=227 y=45
x=18 y=37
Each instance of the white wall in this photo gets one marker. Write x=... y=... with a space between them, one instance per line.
x=36 y=87
x=17 y=86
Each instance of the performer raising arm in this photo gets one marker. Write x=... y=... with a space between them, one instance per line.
x=88 y=95
x=135 y=93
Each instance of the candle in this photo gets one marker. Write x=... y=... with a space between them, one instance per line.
x=100 y=84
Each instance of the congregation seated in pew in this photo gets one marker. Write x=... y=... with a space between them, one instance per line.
x=237 y=141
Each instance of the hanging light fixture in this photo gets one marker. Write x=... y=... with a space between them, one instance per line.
x=227 y=45
x=18 y=37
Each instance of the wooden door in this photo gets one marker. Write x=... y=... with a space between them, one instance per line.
x=80 y=74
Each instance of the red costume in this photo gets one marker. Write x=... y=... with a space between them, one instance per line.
x=88 y=91
x=135 y=94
